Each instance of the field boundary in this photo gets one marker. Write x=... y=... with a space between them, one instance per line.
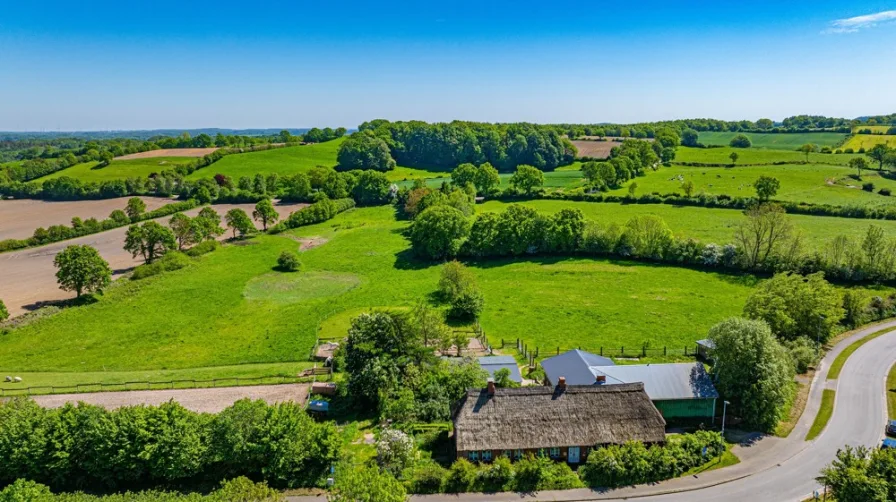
x=152 y=385
x=531 y=354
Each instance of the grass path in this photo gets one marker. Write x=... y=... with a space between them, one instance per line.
x=824 y=414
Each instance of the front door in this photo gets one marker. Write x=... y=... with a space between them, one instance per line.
x=573 y=457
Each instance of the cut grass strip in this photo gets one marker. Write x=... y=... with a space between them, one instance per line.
x=824 y=414
x=795 y=407
x=841 y=358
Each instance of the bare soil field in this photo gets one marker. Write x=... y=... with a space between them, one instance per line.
x=28 y=277
x=168 y=152
x=596 y=149
x=211 y=400
x=19 y=218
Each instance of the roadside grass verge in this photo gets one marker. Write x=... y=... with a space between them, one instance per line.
x=824 y=414
x=840 y=360
x=795 y=407
x=726 y=459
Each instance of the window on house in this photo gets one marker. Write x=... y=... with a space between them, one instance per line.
x=555 y=452
x=517 y=454
x=474 y=456
x=486 y=455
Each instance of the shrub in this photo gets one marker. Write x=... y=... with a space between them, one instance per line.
x=868 y=187
x=288 y=261
x=202 y=248
x=394 y=450
x=496 y=477
x=4 y=314
x=467 y=305
x=461 y=477
x=884 y=191
x=170 y=261
x=741 y=141
x=426 y=478
x=804 y=353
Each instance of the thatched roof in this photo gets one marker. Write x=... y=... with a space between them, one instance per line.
x=544 y=417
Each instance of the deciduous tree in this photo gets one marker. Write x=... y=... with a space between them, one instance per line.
x=81 y=269
x=765 y=229
x=439 y=231
x=265 y=212
x=766 y=187
x=734 y=156
x=239 y=221
x=858 y=164
x=135 y=208
x=150 y=240
x=527 y=178
x=878 y=153
x=184 y=230
x=807 y=149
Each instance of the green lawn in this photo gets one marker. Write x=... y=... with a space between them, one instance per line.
x=213 y=314
x=772 y=140
x=824 y=414
x=757 y=156
x=819 y=184
x=119 y=169
x=707 y=225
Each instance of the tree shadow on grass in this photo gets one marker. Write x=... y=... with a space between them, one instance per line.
x=87 y=299
x=406 y=260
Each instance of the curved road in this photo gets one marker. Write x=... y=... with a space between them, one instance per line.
x=773 y=469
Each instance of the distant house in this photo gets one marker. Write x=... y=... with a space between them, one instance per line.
x=681 y=390
x=562 y=422
x=491 y=364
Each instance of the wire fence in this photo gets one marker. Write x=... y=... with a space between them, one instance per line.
x=534 y=353
x=150 y=385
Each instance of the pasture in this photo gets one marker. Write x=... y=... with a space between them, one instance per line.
x=706 y=225
x=757 y=156
x=169 y=152
x=119 y=169
x=819 y=184
x=564 y=177
x=867 y=141
x=215 y=316
x=781 y=141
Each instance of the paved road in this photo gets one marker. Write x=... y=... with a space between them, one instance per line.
x=29 y=276
x=773 y=469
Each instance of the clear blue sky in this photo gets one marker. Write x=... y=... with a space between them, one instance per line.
x=180 y=64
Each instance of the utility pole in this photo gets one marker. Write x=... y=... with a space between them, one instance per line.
x=724 y=411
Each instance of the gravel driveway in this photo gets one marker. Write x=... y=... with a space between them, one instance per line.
x=203 y=400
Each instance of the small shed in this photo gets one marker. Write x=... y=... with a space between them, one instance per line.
x=491 y=364
x=323 y=388
x=326 y=350
x=705 y=348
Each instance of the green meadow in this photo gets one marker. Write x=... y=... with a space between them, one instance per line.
x=704 y=224
x=233 y=309
x=819 y=184
x=119 y=169
x=757 y=156
x=781 y=141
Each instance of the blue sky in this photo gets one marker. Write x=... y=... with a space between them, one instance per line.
x=176 y=64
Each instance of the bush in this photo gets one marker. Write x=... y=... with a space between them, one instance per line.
x=884 y=191
x=202 y=248
x=741 y=141
x=868 y=187
x=461 y=477
x=288 y=261
x=496 y=477
x=467 y=305
x=426 y=478
x=170 y=261
x=804 y=353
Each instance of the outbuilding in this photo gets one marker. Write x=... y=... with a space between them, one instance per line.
x=491 y=364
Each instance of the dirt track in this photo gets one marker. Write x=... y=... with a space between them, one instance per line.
x=168 y=152
x=27 y=277
x=202 y=400
x=19 y=218
x=596 y=149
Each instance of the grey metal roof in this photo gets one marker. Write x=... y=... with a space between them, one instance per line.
x=706 y=342
x=491 y=364
x=575 y=366
x=665 y=381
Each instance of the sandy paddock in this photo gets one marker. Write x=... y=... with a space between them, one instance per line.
x=19 y=218
x=168 y=152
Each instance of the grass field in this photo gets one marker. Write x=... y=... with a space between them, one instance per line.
x=565 y=178
x=119 y=169
x=707 y=225
x=773 y=140
x=757 y=156
x=824 y=414
x=867 y=141
x=819 y=184
x=214 y=316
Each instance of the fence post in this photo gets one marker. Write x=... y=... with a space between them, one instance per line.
x=643 y=351
x=622 y=351
x=664 y=350
x=558 y=350
x=601 y=351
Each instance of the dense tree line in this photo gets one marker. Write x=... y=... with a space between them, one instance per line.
x=85 y=446
x=447 y=145
x=238 y=489
x=860 y=474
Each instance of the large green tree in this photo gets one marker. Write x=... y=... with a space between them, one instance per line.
x=486 y=178
x=265 y=212
x=364 y=150
x=150 y=240
x=371 y=188
x=858 y=163
x=81 y=269
x=766 y=187
x=239 y=221
x=858 y=474
x=439 y=231
x=878 y=153
x=794 y=305
x=527 y=178
x=135 y=208
x=185 y=231
x=752 y=371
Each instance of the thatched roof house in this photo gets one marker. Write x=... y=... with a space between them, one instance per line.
x=562 y=421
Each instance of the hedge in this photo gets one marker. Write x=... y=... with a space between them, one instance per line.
x=240 y=488
x=320 y=211
x=85 y=446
